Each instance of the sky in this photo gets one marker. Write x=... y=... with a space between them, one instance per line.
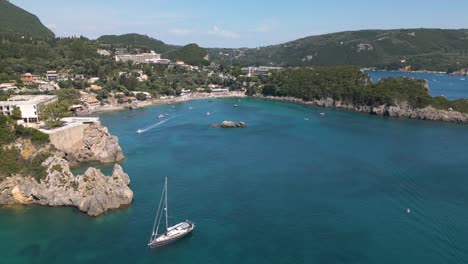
x=240 y=23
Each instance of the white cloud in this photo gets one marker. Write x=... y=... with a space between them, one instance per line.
x=223 y=33
x=180 y=31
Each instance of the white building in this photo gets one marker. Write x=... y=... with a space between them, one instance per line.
x=28 y=104
x=103 y=52
x=52 y=75
x=148 y=95
x=139 y=58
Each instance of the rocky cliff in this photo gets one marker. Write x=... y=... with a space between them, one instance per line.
x=85 y=143
x=93 y=193
x=402 y=109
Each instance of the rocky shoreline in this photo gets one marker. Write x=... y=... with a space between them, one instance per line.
x=400 y=110
x=92 y=193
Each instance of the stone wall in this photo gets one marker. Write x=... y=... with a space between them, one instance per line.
x=86 y=143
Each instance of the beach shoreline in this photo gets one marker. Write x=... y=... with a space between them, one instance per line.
x=168 y=101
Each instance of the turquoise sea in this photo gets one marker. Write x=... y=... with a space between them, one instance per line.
x=440 y=84
x=333 y=189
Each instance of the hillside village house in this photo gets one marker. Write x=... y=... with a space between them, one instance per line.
x=94 y=88
x=52 y=75
x=8 y=87
x=148 y=95
x=28 y=104
x=92 y=103
x=29 y=78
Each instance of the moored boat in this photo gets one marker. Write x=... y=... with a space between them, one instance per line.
x=172 y=233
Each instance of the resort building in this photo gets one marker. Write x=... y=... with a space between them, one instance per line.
x=28 y=104
x=135 y=93
x=92 y=102
x=29 y=78
x=257 y=71
x=51 y=75
x=8 y=87
x=139 y=58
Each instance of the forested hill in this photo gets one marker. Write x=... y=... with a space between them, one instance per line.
x=16 y=20
x=429 y=49
x=137 y=40
x=191 y=53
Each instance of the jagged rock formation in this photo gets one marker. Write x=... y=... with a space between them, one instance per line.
x=402 y=109
x=230 y=124
x=93 y=193
x=87 y=143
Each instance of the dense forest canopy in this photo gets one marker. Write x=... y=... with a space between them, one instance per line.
x=350 y=85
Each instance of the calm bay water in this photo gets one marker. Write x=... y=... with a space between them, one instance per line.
x=440 y=84
x=334 y=189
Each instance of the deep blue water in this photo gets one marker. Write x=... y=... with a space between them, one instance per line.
x=452 y=87
x=334 y=189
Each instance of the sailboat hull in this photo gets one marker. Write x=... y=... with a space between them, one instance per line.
x=172 y=235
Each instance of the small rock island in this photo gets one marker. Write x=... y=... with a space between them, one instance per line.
x=230 y=124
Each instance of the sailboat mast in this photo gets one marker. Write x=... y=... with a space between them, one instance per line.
x=167 y=224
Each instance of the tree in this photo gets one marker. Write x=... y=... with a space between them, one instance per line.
x=141 y=96
x=16 y=113
x=52 y=113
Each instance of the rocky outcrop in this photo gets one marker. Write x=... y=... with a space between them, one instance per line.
x=85 y=143
x=230 y=124
x=93 y=192
x=402 y=109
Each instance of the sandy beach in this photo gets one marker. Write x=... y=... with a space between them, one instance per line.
x=174 y=100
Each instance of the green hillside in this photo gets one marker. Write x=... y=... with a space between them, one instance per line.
x=429 y=49
x=16 y=20
x=137 y=40
x=191 y=54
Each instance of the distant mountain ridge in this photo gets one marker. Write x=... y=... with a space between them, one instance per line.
x=16 y=20
x=429 y=49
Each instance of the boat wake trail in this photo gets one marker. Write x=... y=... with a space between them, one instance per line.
x=149 y=128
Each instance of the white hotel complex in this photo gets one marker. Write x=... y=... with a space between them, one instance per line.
x=139 y=58
x=28 y=104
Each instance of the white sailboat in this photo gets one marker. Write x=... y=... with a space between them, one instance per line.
x=172 y=233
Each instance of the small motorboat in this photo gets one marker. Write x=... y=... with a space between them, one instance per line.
x=208 y=113
x=236 y=105
x=190 y=108
x=322 y=114
x=139 y=131
x=306 y=119
x=161 y=116
x=408 y=211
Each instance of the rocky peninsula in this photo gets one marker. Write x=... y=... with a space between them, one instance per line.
x=402 y=109
x=348 y=87
x=92 y=193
